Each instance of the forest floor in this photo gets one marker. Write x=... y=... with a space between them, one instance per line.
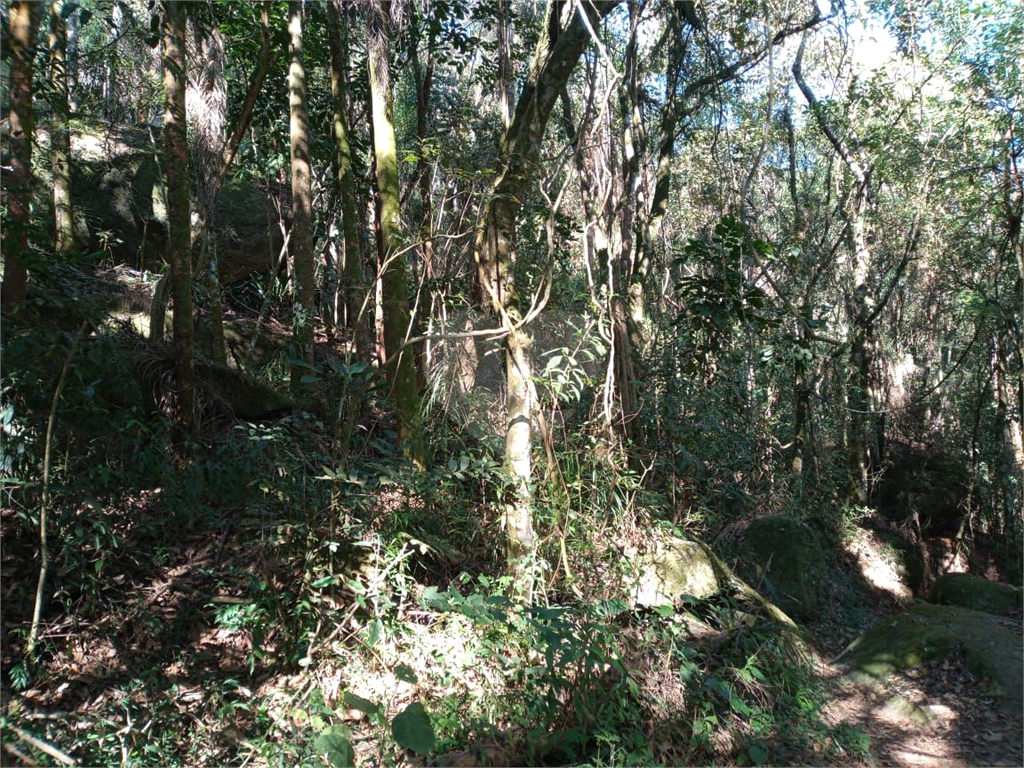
x=935 y=716
x=938 y=716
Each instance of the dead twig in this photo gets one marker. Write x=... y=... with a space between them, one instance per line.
x=43 y=746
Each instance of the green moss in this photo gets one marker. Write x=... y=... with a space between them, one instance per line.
x=788 y=564
x=929 y=633
x=968 y=591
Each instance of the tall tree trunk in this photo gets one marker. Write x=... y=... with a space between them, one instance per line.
x=634 y=260
x=23 y=22
x=861 y=306
x=60 y=136
x=504 y=35
x=400 y=363
x=801 y=372
x=427 y=295
x=354 y=287
x=179 y=246
x=206 y=104
x=301 y=237
x=554 y=59
x=266 y=59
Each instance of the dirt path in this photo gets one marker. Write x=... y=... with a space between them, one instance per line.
x=929 y=717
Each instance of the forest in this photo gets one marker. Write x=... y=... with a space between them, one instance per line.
x=512 y=382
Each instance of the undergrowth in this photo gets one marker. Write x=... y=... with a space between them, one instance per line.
x=269 y=605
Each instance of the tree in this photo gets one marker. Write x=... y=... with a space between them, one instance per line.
x=206 y=105
x=179 y=243
x=266 y=57
x=60 y=136
x=23 y=23
x=423 y=81
x=558 y=49
x=861 y=300
x=400 y=362
x=351 y=250
x=302 y=236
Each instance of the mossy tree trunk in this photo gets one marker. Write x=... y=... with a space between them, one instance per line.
x=353 y=284
x=60 y=136
x=400 y=363
x=266 y=59
x=302 y=203
x=179 y=245
x=557 y=52
x=427 y=295
x=22 y=25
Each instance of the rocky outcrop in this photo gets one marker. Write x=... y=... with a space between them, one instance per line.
x=929 y=490
x=783 y=559
x=928 y=634
x=968 y=591
x=120 y=203
x=672 y=569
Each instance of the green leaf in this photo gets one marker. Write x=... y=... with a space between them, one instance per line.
x=739 y=706
x=363 y=705
x=296 y=362
x=406 y=674
x=411 y=729
x=374 y=632
x=435 y=599
x=758 y=754
x=335 y=746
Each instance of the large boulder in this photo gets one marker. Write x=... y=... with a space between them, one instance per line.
x=784 y=560
x=248 y=237
x=968 y=591
x=119 y=199
x=672 y=569
x=929 y=633
x=118 y=194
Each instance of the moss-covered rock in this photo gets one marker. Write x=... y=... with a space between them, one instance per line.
x=784 y=560
x=929 y=633
x=969 y=591
x=244 y=397
x=121 y=208
x=673 y=568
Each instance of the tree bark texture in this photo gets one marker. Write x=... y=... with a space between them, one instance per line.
x=400 y=363
x=23 y=23
x=302 y=204
x=558 y=50
x=179 y=245
x=206 y=105
x=353 y=290
x=60 y=136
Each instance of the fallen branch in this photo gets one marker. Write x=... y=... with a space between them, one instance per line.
x=44 y=746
